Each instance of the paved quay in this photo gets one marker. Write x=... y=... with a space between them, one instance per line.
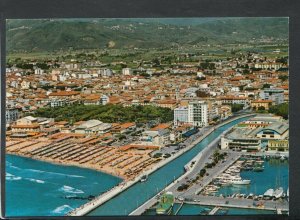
x=237 y=202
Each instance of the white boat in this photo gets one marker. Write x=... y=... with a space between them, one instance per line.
x=241 y=182
x=278 y=193
x=282 y=158
x=287 y=192
x=269 y=193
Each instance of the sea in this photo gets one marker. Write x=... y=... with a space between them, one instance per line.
x=36 y=188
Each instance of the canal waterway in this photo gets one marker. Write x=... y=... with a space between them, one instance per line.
x=130 y=199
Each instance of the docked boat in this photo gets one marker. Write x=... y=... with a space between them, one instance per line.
x=269 y=194
x=278 y=193
x=165 y=204
x=282 y=158
x=250 y=196
x=144 y=178
x=240 y=182
x=258 y=168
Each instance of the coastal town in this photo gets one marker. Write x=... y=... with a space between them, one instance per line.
x=130 y=118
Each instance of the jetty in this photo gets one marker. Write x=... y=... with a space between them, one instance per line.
x=214 y=210
x=179 y=208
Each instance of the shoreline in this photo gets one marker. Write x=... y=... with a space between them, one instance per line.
x=101 y=199
x=68 y=165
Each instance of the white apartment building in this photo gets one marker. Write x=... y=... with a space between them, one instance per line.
x=126 y=71
x=104 y=100
x=180 y=115
x=196 y=114
x=274 y=94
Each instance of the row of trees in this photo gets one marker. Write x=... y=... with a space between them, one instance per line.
x=106 y=113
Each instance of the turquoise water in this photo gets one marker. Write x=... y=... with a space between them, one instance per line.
x=236 y=211
x=130 y=199
x=35 y=188
x=274 y=175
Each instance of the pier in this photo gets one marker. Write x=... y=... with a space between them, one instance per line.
x=214 y=210
x=179 y=208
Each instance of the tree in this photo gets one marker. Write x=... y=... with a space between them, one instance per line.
x=266 y=86
x=261 y=108
x=283 y=77
x=156 y=62
x=236 y=107
x=281 y=110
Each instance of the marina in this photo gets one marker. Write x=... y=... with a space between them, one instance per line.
x=232 y=178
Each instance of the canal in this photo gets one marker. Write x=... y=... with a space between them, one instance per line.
x=133 y=197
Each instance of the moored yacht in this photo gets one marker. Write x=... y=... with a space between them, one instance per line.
x=240 y=182
x=269 y=194
x=278 y=193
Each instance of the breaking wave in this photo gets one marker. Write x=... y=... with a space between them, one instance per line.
x=62 y=209
x=36 y=181
x=11 y=177
x=54 y=173
x=69 y=189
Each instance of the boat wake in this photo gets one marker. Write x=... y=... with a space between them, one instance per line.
x=12 y=177
x=54 y=173
x=35 y=180
x=62 y=209
x=8 y=164
x=69 y=189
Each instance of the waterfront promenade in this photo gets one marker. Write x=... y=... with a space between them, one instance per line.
x=86 y=208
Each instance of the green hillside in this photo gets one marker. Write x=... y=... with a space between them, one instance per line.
x=51 y=35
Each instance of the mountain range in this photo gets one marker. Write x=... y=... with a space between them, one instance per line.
x=62 y=34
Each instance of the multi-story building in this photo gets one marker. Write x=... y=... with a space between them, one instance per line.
x=126 y=71
x=58 y=102
x=181 y=115
x=241 y=139
x=12 y=114
x=278 y=145
x=274 y=94
x=104 y=100
x=261 y=103
x=198 y=113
